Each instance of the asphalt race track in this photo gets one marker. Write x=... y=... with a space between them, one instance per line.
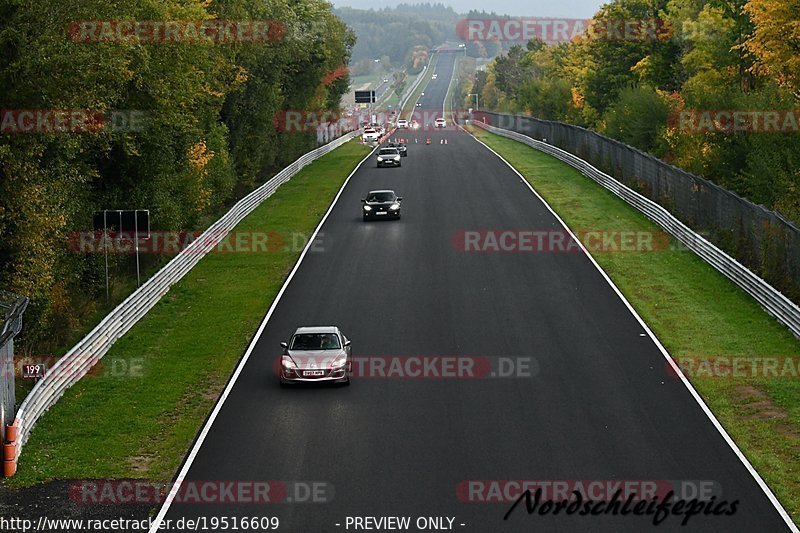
x=597 y=402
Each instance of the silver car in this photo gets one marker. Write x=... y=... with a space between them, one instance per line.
x=316 y=354
x=388 y=157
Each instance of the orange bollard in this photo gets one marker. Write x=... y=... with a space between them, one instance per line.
x=12 y=432
x=9 y=452
x=429 y=141
x=9 y=468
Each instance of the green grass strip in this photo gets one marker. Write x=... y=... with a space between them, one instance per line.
x=138 y=413
x=694 y=311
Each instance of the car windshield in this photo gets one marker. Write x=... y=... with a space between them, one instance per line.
x=381 y=197
x=315 y=341
x=388 y=151
x=369 y=131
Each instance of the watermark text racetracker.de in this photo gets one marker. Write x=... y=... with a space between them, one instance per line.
x=175 y=242
x=309 y=120
x=560 y=240
x=736 y=367
x=553 y=31
x=70 y=121
x=175 y=31
x=693 y=121
x=203 y=492
x=433 y=367
x=38 y=366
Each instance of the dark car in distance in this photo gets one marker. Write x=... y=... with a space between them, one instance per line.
x=402 y=148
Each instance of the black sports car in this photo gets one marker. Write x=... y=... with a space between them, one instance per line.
x=381 y=204
x=402 y=148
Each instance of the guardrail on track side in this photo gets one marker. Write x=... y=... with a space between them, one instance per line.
x=772 y=300
x=69 y=369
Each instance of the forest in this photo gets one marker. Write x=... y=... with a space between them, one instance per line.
x=204 y=135
x=677 y=96
x=393 y=33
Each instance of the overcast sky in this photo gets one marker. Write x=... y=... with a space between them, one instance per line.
x=522 y=8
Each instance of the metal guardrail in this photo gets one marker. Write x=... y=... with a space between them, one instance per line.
x=76 y=363
x=772 y=300
x=410 y=91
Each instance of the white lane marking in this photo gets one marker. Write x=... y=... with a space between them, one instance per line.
x=761 y=483
x=207 y=427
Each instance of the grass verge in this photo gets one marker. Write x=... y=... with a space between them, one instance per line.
x=448 y=108
x=138 y=412
x=695 y=312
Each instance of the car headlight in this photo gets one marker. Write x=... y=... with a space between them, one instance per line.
x=380 y=158
x=338 y=363
x=367 y=208
x=287 y=363
x=395 y=207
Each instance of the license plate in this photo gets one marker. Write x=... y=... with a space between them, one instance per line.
x=312 y=373
x=381 y=213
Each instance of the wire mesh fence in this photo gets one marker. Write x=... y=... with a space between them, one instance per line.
x=764 y=241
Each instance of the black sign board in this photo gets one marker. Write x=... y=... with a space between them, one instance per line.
x=125 y=221
x=365 y=97
x=37 y=370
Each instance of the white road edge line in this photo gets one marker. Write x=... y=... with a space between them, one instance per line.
x=232 y=381
x=764 y=487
